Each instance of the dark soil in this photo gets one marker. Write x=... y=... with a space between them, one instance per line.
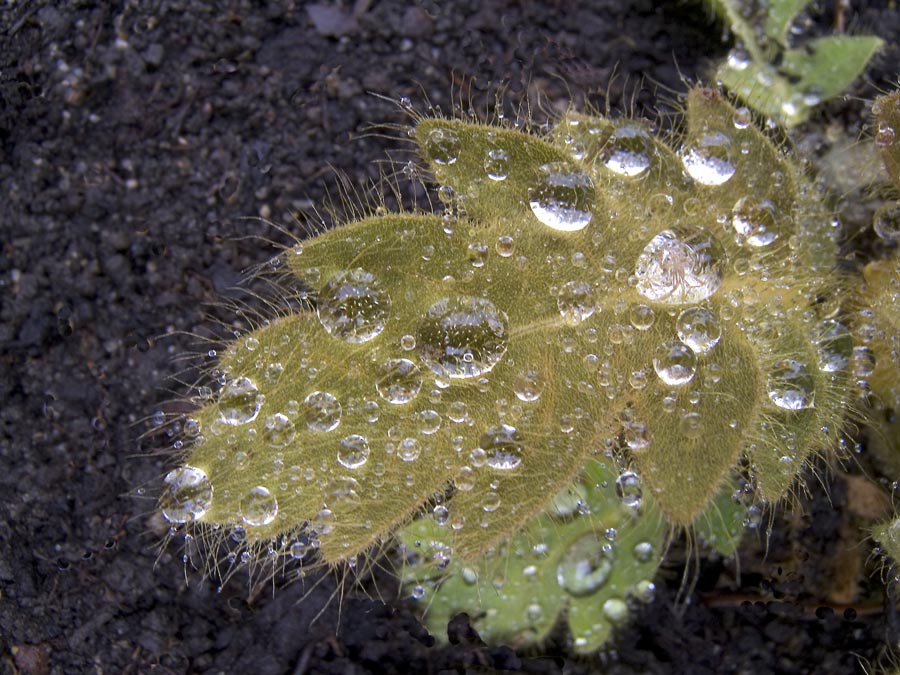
x=135 y=140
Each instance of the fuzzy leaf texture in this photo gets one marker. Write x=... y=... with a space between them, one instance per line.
x=598 y=293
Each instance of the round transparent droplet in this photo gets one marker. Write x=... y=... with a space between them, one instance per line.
x=791 y=385
x=503 y=447
x=429 y=422
x=409 y=449
x=399 y=381
x=642 y=316
x=322 y=411
x=629 y=489
x=408 y=343
x=353 y=451
x=887 y=222
x=615 y=610
x=352 y=306
x=643 y=551
x=441 y=514
x=675 y=363
x=708 y=159
x=742 y=117
x=628 y=151
x=279 y=430
x=575 y=302
x=528 y=386
x=834 y=344
x=637 y=436
x=496 y=164
x=699 y=329
x=187 y=495
x=585 y=566
x=442 y=146
x=563 y=197
x=491 y=502
x=239 y=402
x=756 y=221
x=462 y=337
x=679 y=266
x=259 y=507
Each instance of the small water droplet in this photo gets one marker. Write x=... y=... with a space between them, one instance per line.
x=399 y=381
x=699 y=329
x=834 y=344
x=491 y=502
x=756 y=221
x=528 y=386
x=615 y=610
x=441 y=514
x=442 y=146
x=742 y=117
x=503 y=448
x=353 y=451
x=643 y=551
x=563 y=198
x=409 y=449
x=187 y=495
x=504 y=246
x=575 y=302
x=791 y=385
x=322 y=411
x=259 y=507
x=352 y=306
x=239 y=402
x=629 y=489
x=628 y=151
x=279 y=430
x=674 y=362
x=496 y=164
x=585 y=566
x=642 y=316
x=708 y=159
x=887 y=222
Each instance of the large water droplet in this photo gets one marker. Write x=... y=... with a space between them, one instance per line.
x=791 y=385
x=756 y=221
x=585 y=566
x=353 y=451
x=528 y=386
x=564 y=197
x=496 y=164
x=708 y=159
x=502 y=446
x=886 y=222
x=628 y=151
x=835 y=345
x=575 y=302
x=323 y=411
x=239 y=402
x=462 y=337
x=187 y=495
x=259 y=507
x=352 y=306
x=442 y=146
x=675 y=363
x=699 y=329
x=679 y=267
x=399 y=381
x=629 y=489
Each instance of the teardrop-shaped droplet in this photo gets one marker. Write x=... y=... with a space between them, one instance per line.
x=563 y=198
x=352 y=306
x=462 y=337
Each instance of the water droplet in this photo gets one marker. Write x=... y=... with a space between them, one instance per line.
x=399 y=381
x=323 y=523
x=496 y=164
x=708 y=159
x=742 y=117
x=259 y=507
x=528 y=386
x=575 y=302
x=410 y=449
x=642 y=317
x=699 y=329
x=691 y=425
x=442 y=146
x=679 y=267
x=491 y=502
x=791 y=385
x=637 y=436
x=187 y=495
x=835 y=345
x=585 y=566
x=352 y=306
x=674 y=362
x=887 y=222
x=563 y=198
x=628 y=151
x=239 y=402
x=407 y=343
x=503 y=448
x=323 y=411
x=643 y=551
x=756 y=221
x=441 y=514
x=629 y=489
x=251 y=343
x=279 y=430
x=477 y=254
x=465 y=479
x=504 y=246
x=462 y=337
x=273 y=372
x=353 y=451
x=615 y=610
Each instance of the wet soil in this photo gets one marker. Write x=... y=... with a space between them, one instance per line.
x=136 y=138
